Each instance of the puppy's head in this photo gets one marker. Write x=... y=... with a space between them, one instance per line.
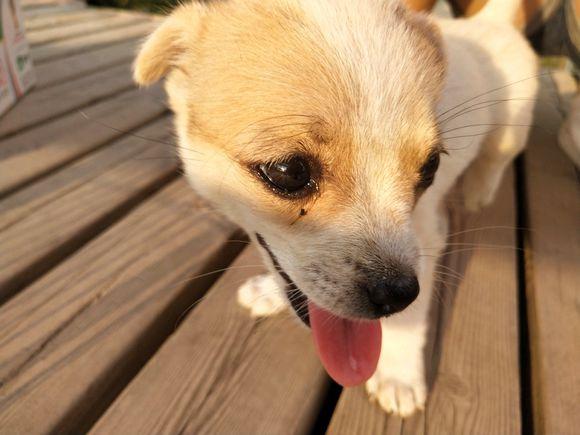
x=311 y=124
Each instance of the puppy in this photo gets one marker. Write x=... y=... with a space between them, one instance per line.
x=331 y=131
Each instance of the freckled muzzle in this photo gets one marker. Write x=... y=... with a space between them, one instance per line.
x=386 y=294
x=349 y=349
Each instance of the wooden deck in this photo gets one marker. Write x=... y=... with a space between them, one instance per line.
x=117 y=285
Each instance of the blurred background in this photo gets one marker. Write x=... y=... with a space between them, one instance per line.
x=551 y=25
x=157 y=6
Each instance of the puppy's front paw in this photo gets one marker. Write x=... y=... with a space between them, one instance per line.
x=479 y=189
x=262 y=296
x=395 y=396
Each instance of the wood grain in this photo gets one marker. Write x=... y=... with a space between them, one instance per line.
x=38 y=151
x=223 y=372
x=81 y=64
x=477 y=387
x=94 y=284
x=553 y=276
x=52 y=9
x=68 y=30
x=76 y=16
x=32 y=4
x=22 y=204
x=46 y=104
x=72 y=340
x=48 y=220
x=84 y=43
x=476 y=380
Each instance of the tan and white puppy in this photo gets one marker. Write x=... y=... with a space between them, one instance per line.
x=331 y=131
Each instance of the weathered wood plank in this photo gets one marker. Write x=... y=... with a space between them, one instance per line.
x=72 y=340
x=84 y=43
x=52 y=9
x=354 y=414
x=82 y=64
x=39 y=150
x=223 y=372
x=31 y=4
x=553 y=276
x=16 y=207
x=44 y=222
x=46 y=104
x=100 y=23
x=476 y=387
x=75 y=16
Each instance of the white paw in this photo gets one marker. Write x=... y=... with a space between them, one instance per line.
x=398 y=384
x=399 y=398
x=262 y=296
x=479 y=191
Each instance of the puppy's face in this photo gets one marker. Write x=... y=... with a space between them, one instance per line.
x=311 y=125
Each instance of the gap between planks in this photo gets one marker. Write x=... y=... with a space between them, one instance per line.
x=71 y=341
x=47 y=10
x=48 y=104
x=103 y=22
x=552 y=247
x=51 y=219
x=79 y=65
x=224 y=372
x=37 y=152
x=77 y=16
x=79 y=44
x=474 y=370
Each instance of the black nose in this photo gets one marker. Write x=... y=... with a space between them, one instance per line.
x=391 y=294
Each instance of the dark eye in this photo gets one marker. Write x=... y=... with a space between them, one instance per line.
x=289 y=176
x=428 y=171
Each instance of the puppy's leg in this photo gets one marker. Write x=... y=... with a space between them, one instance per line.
x=399 y=384
x=262 y=296
x=483 y=177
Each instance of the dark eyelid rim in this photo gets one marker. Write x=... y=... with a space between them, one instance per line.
x=437 y=151
x=434 y=152
x=311 y=189
x=439 y=148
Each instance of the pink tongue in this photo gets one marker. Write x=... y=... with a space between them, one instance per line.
x=349 y=349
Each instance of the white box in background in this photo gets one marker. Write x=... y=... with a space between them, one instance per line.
x=16 y=70
x=7 y=95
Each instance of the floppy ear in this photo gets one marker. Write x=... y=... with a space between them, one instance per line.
x=162 y=49
x=157 y=54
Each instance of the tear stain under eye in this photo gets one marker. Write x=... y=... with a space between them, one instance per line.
x=302 y=213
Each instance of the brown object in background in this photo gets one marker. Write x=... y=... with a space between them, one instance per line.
x=551 y=25
x=531 y=16
x=421 y=5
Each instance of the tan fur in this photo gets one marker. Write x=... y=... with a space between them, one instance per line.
x=272 y=102
x=362 y=89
